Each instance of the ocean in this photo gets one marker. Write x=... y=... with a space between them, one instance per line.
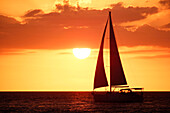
x=63 y=102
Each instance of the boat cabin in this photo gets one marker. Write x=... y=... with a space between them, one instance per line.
x=125 y=91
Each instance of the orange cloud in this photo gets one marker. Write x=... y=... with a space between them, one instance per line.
x=165 y=3
x=50 y=30
x=126 y=14
x=32 y=13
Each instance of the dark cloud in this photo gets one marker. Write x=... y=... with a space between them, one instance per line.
x=130 y=13
x=16 y=52
x=32 y=13
x=165 y=3
x=66 y=7
x=144 y=35
x=4 y=20
x=154 y=56
x=166 y=25
x=6 y=53
x=143 y=51
x=119 y=12
x=76 y=15
x=78 y=27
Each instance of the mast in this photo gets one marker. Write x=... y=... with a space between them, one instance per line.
x=110 y=45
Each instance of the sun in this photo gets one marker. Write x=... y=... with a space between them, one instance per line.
x=81 y=53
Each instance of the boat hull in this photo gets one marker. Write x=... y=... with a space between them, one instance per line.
x=118 y=97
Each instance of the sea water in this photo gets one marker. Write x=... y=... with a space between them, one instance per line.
x=60 y=102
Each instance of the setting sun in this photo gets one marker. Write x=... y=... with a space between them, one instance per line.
x=81 y=53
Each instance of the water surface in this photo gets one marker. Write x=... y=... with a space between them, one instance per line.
x=78 y=102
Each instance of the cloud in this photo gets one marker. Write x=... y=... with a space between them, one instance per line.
x=63 y=53
x=71 y=27
x=16 y=51
x=142 y=51
x=165 y=3
x=76 y=14
x=145 y=52
x=153 y=56
x=144 y=35
x=166 y=25
x=123 y=14
x=32 y=13
x=4 y=20
x=119 y=12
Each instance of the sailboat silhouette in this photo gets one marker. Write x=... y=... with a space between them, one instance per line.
x=117 y=76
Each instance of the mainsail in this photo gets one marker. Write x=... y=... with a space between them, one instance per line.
x=100 y=79
x=117 y=76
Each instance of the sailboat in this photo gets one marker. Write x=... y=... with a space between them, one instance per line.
x=117 y=76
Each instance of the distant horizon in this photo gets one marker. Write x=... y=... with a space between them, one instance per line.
x=73 y=91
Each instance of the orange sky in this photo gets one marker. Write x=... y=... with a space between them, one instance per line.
x=37 y=38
